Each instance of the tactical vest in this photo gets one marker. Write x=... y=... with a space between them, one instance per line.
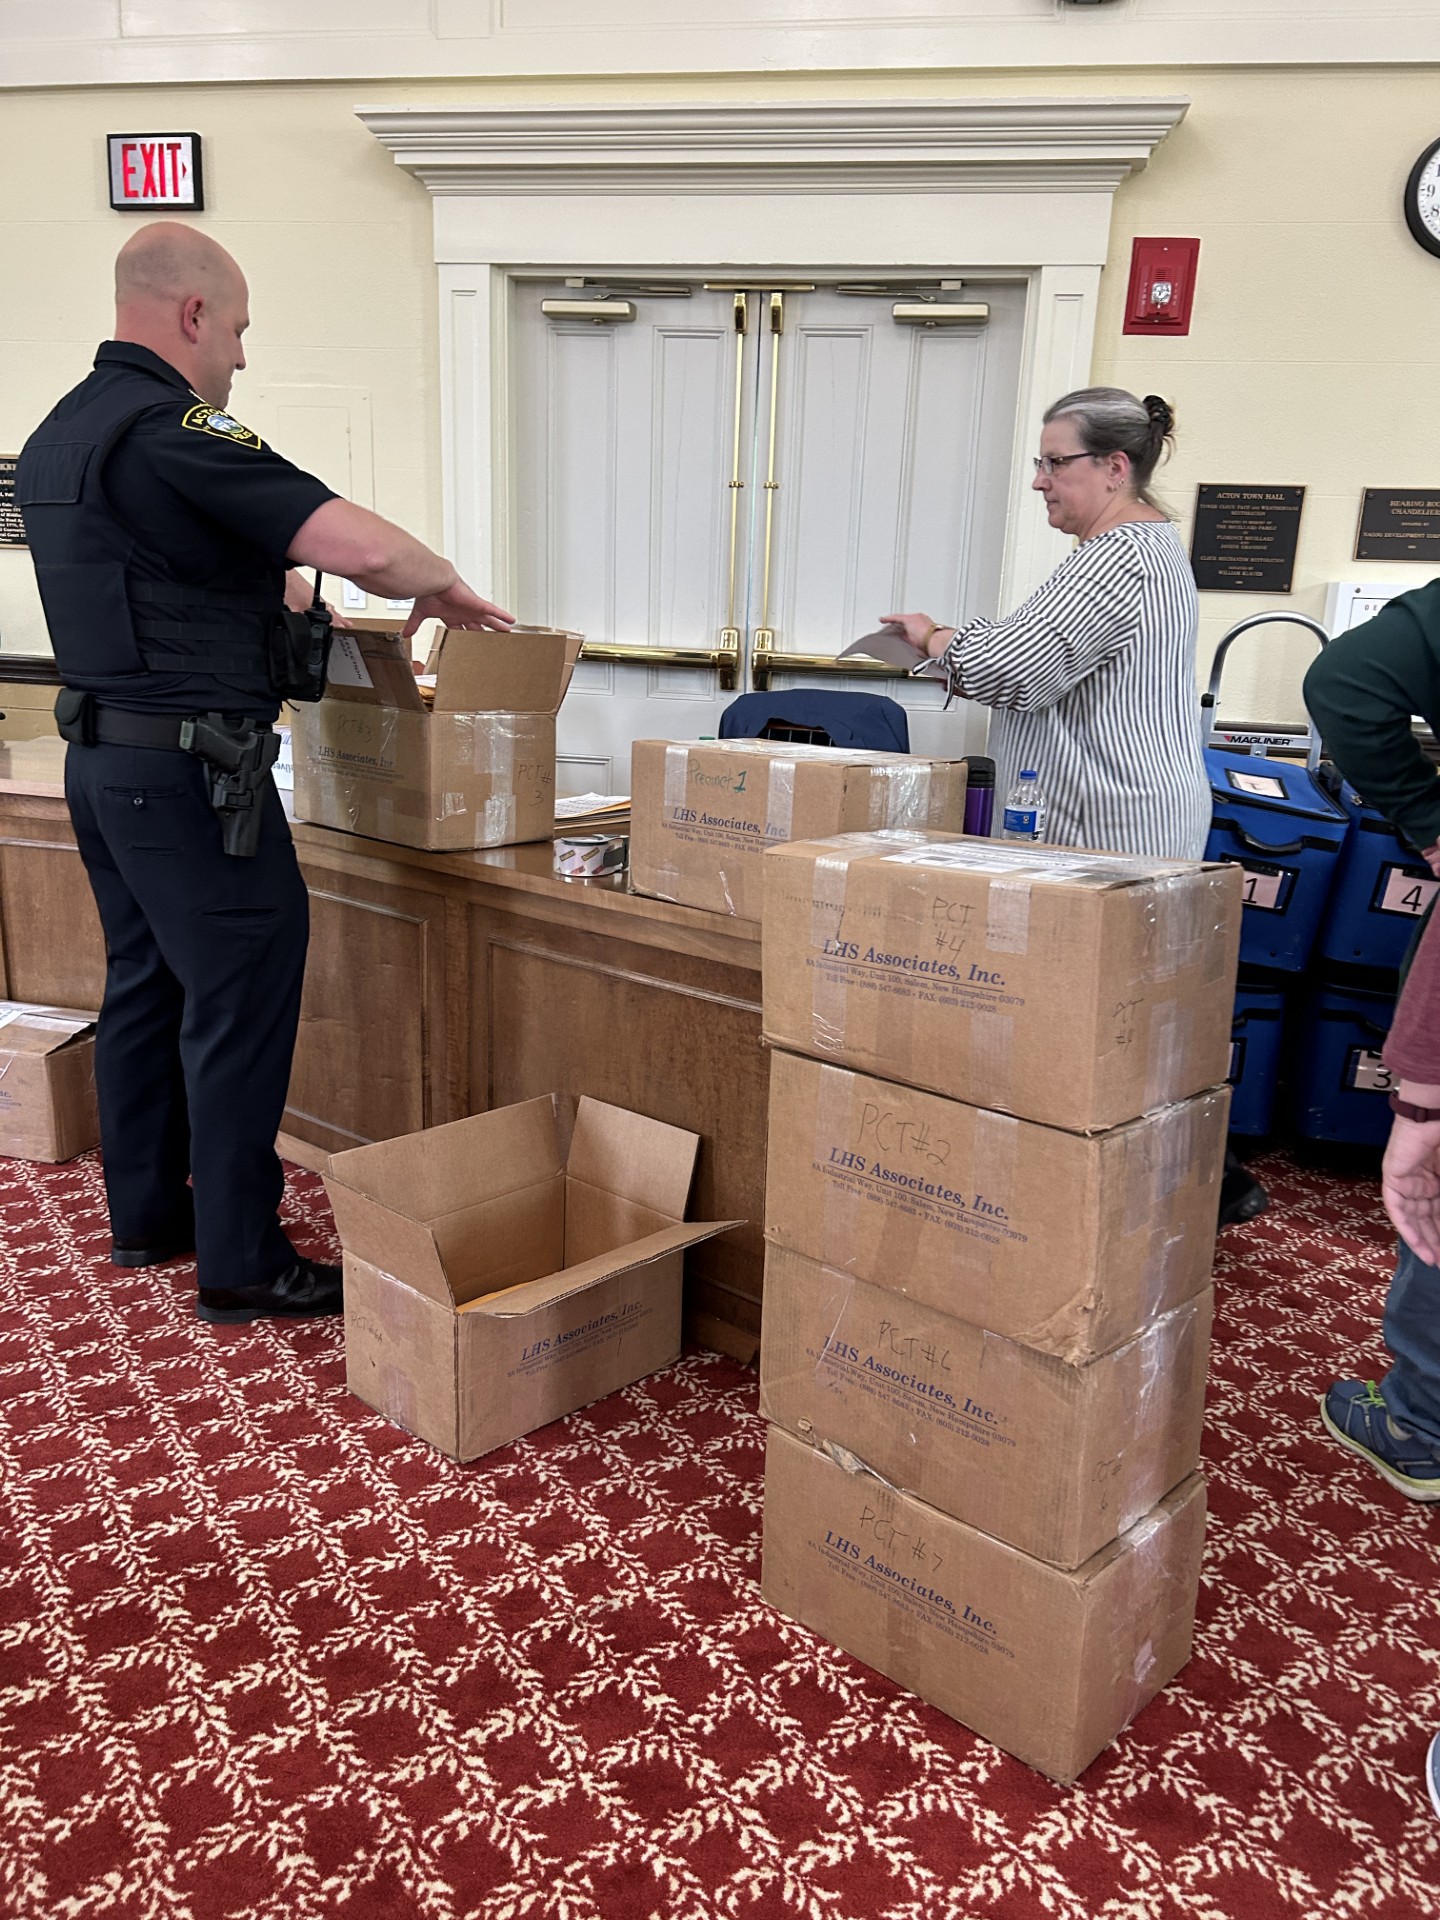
x=115 y=611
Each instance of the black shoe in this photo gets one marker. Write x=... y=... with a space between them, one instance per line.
x=178 y=1245
x=303 y=1291
x=1242 y=1197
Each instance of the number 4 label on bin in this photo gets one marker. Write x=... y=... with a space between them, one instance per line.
x=1369 y=1073
x=1403 y=890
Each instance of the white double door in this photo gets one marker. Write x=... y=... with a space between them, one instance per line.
x=748 y=464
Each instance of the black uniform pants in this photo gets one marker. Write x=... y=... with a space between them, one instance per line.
x=205 y=955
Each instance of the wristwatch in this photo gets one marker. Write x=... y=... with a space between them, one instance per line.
x=1407 y=1110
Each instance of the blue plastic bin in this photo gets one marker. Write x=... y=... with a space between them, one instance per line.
x=1340 y=1081
x=1255 y=1038
x=1274 y=819
x=1382 y=888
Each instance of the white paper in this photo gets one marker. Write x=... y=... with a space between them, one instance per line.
x=347 y=663
x=579 y=804
x=890 y=645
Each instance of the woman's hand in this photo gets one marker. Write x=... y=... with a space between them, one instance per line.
x=1410 y=1185
x=921 y=631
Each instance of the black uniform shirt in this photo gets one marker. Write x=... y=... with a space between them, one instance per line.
x=207 y=495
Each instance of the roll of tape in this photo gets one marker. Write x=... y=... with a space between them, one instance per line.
x=590 y=856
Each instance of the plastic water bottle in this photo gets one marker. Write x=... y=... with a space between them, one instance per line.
x=1024 y=817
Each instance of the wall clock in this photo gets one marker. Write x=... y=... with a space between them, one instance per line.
x=1422 y=199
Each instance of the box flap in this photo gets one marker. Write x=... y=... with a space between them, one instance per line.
x=503 y=1241
x=398 y=1248
x=30 y=1027
x=631 y=1155
x=523 y=671
x=558 y=1286
x=370 y=664
x=425 y=1176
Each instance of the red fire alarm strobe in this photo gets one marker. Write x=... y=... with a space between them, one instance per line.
x=153 y=170
x=1162 y=286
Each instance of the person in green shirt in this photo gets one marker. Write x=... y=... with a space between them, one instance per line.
x=1363 y=691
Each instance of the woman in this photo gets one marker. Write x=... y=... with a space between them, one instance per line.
x=1093 y=678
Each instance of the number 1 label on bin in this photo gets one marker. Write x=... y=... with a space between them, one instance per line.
x=1263 y=888
x=1368 y=1072
x=1404 y=891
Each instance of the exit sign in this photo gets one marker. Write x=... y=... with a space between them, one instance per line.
x=149 y=170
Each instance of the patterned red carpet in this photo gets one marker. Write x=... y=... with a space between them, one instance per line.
x=263 y=1657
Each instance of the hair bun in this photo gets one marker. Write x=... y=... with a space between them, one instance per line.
x=1161 y=415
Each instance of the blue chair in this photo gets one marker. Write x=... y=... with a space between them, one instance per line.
x=815 y=717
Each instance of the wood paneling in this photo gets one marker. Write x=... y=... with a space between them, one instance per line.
x=53 y=947
x=669 y=1036
x=376 y=1022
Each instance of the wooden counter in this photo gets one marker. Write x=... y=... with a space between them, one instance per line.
x=441 y=984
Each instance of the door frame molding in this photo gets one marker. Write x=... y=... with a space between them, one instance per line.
x=985 y=187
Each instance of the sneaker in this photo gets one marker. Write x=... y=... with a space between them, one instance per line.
x=1432 y=1772
x=1355 y=1414
x=302 y=1292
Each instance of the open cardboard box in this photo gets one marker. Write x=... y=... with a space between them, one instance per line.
x=474 y=768
x=47 y=1081
x=494 y=1283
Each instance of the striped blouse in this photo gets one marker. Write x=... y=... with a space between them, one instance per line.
x=1093 y=682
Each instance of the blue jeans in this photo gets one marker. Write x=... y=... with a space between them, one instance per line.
x=1412 y=1333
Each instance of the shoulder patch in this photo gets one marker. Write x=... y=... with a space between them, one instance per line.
x=223 y=426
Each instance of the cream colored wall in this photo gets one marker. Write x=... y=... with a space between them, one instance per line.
x=1306 y=363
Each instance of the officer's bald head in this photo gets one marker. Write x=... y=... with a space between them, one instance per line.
x=167 y=261
x=179 y=293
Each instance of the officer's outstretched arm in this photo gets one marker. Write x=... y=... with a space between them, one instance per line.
x=355 y=544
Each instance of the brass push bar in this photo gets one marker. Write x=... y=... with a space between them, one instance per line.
x=724 y=660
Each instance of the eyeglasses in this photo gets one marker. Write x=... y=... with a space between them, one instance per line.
x=1047 y=463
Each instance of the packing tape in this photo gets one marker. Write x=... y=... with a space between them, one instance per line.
x=992 y=1048
x=667 y=883
x=677 y=778
x=1159 y=1155
x=900 y=796
x=827 y=916
x=1171 y=1031
x=834 y=1127
x=996 y=1144
x=779 y=801
x=495 y=822
x=1007 y=915
x=1183 y=928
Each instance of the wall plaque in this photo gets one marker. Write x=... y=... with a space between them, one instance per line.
x=12 y=527
x=1398 y=523
x=1245 y=538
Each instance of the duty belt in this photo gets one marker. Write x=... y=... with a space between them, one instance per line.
x=237 y=755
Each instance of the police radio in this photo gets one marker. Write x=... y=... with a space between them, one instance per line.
x=300 y=650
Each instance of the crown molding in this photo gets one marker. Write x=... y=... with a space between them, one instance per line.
x=988 y=146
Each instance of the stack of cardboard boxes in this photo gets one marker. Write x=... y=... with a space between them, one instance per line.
x=997 y=1132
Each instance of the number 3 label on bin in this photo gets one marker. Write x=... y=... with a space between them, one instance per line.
x=1368 y=1072
x=1266 y=888
x=1403 y=890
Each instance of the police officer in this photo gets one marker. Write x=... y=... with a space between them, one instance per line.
x=161 y=531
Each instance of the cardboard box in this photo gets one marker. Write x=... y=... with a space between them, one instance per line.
x=494 y=1282
x=1055 y=1459
x=1068 y=1242
x=1049 y=1665
x=701 y=816
x=1076 y=988
x=47 y=1081
x=474 y=769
